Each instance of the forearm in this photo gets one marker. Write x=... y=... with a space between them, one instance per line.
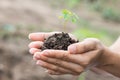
x=110 y=60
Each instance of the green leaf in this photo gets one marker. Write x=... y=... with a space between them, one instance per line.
x=65 y=11
x=74 y=20
x=68 y=16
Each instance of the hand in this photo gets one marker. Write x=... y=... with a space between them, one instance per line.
x=78 y=58
x=38 y=40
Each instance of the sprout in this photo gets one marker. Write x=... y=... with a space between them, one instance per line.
x=68 y=16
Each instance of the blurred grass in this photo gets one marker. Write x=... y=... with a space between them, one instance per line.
x=111 y=14
x=86 y=30
x=83 y=33
x=82 y=76
x=108 y=9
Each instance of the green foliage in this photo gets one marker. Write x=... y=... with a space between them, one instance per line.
x=9 y=28
x=111 y=14
x=107 y=11
x=69 y=16
x=82 y=76
x=97 y=6
x=83 y=33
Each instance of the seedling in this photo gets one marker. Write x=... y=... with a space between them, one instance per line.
x=68 y=16
x=61 y=41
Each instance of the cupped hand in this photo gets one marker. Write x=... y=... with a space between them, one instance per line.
x=38 y=40
x=78 y=58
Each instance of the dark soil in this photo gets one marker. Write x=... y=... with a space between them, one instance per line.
x=58 y=41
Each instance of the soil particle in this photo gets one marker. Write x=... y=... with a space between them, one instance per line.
x=58 y=41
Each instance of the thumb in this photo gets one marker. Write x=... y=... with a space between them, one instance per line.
x=76 y=48
x=82 y=47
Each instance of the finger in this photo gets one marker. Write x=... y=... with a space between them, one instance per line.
x=40 y=36
x=75 y=63
x=35 y=44
x=52 y=72
x=53 y=67
x=80 y=59
x=59 y=73
x=59 y=54
x=66 y=65
x=82 y=47
x=34 y=50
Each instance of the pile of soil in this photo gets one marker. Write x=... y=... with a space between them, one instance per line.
x=58 y=41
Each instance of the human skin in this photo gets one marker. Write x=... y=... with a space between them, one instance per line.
x=78 y=58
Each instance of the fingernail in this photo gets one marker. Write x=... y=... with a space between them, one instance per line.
x=72 y=49
x=45 y=52
x=39 y=62
x=29 y=36
x=34 y=50
x=36 y=56
x=31 y=52
x=31 y=45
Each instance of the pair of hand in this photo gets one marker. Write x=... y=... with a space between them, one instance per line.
x=75 y=60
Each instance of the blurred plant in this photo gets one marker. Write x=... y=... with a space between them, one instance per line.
x=68 y=16
x=6 y=31
x=9 y=28
x=107 y=10
x=110 y=14
x=82 y=76
x=97 y=6
x=86 y=32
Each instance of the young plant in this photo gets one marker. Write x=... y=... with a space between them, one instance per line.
x=61 y=41
x=68 y=16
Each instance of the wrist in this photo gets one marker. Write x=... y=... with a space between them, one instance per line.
x=106 y=59
x=109 y=62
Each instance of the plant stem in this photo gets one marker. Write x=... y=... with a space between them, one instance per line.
x=65 y=25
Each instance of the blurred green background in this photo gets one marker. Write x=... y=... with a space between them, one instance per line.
x=98 y=18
